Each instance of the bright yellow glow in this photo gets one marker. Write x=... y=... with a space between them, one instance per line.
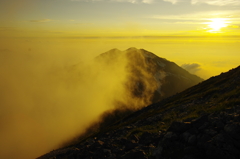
x=217 y=24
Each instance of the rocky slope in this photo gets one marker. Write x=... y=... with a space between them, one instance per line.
x=200 y=122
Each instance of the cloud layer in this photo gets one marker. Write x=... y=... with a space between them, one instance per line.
x=41 y=20
x=231 y=14
x=217 y=2
x=194 y=2
x=128 y=1
x=230 y=17
x=43 y=102
x=192 y=68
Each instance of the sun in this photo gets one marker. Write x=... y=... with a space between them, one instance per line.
x=216 y=24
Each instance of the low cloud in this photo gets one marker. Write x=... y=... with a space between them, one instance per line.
x=131 y=1
x=198 y=16
x=172 y=1
x=47 y=99
x=128 y=1
x=41 y=20
x=229 y=16
x=192 y=68
x=209 y=2
x=233 y=26
x=217 y=2
x=193 y=2
x=45 y=103
x=148 y=1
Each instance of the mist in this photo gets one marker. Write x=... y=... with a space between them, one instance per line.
x=47 y=98
x=52 y=91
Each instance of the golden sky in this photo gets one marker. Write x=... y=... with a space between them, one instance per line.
x=203 y=32
x=78 y=18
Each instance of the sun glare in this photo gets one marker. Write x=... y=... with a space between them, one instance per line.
x=216 y=24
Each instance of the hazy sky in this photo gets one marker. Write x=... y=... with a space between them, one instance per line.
x=118 y=17
x=95 y=26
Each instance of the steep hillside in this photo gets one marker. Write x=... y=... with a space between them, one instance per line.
x=200 y=122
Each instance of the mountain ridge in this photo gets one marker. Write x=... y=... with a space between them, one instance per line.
x=142 y=63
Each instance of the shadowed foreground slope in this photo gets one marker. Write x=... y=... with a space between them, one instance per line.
x=201 y=122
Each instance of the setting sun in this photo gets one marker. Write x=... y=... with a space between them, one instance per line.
x=216 y=24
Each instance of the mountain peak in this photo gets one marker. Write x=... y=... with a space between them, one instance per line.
x=114 y=50
x=131 y=49
x=144 y=65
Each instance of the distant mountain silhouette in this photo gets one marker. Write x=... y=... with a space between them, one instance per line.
x=151 y=78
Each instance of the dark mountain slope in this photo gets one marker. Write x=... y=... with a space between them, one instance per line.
x=201 y=122
x=150 y=78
